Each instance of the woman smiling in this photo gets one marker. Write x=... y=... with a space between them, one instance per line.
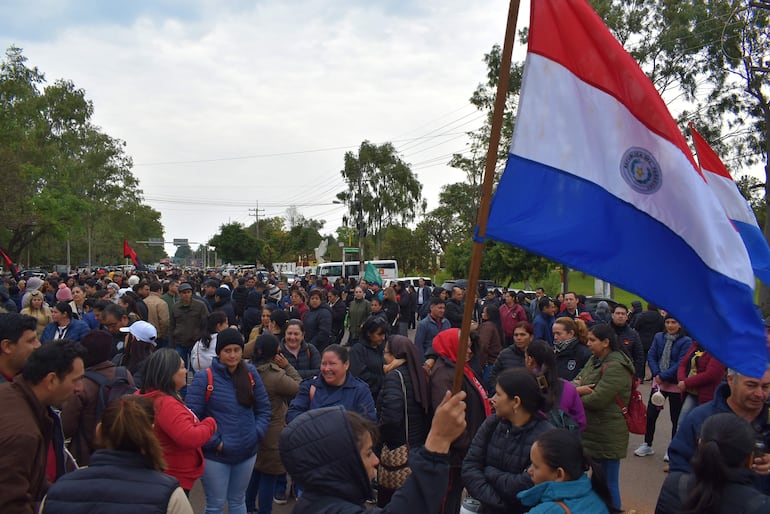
x=335 y=386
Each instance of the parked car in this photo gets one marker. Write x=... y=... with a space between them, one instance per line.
x=593 y=301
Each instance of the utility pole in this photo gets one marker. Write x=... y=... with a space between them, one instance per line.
x=361 y=229
x=256 y=212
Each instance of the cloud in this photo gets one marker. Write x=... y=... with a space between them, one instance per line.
x=196 y=81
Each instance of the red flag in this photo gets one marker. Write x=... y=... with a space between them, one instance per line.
x=9 y=262
x=129 y=252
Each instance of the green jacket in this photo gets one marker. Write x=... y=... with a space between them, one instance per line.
x=185 y=323
x=606 y=434
x=358 y=311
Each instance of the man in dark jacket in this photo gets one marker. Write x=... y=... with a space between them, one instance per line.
x=647 y=324
x=743 y=396
x=187 y=318
x=629 y=339
x=339 y=311
x=240 y=293
x=223 y=303
x=454 y=307
x=52 y=374
x=570 y=307
x=318 y=321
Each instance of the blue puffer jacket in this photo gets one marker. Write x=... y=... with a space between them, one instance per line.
x=354 y=395
x=678 y=350
x=578 y=495
x=75 y=331
x=239 y=428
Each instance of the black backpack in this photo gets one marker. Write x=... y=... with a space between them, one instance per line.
x=110 y=389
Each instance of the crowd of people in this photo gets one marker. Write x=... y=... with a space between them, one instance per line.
x=264 y=390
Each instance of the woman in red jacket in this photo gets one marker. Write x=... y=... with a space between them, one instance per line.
x=180 y=432
x=698 y=376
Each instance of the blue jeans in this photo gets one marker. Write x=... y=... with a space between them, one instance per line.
x=611 y=469
x=226 y=482
x=184 y=352
x=264 y=484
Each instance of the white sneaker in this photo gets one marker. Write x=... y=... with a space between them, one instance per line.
x=644 y=450
x=665 y=457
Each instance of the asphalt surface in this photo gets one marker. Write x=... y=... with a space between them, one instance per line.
x=640 y=477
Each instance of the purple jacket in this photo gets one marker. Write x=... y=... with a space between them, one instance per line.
x=571 y=403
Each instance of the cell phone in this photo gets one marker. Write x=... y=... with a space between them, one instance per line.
x=760 y=449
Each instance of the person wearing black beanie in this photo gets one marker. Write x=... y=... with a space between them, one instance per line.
x=227 y=337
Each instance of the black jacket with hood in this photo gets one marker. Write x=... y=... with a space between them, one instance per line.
x=319 y=451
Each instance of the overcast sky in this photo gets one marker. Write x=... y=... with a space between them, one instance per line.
x=226 y=104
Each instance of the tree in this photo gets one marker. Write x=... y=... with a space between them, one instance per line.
x=236 y=245
x=383 y=186
x=63 y=179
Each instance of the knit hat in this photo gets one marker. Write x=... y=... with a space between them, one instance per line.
x=34 y=283
x=98 y=343
x=142 y=331
x=115 y=287
x=64 y=294
x=670 y=316
x=227 y=337
x=133 y=280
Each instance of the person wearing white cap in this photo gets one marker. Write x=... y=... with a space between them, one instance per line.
x=140 y=343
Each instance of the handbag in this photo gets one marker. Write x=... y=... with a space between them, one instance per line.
x=635 y=413
x=394 y=463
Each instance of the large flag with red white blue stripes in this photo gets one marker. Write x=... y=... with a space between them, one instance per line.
x=735 y=205
x=600 y=177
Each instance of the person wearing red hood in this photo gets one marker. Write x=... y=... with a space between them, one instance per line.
x=446 y=344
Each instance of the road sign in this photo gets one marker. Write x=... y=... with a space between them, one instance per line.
x=350 y=250
x=181 y=242
x=156 y=241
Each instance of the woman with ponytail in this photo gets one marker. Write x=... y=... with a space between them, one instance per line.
x=126 y=472
x=722 y=479
x=232 y=393
x=559 y=471
x=494 y=470
x=561 y=395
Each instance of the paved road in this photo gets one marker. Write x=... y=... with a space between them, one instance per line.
x=640 y=477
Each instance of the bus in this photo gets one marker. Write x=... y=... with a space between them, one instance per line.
x=387 y=268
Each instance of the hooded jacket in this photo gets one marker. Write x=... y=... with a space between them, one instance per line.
x=320 y=453
x=578 y=495
x=606 y=434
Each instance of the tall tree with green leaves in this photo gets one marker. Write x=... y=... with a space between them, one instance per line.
x=63 y=179
x=384 y=186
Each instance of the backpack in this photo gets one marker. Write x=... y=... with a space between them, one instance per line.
x=110 y=390
x=210 y=384
x=561 y=419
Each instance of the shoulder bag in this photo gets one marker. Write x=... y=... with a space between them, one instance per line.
x=394 y=463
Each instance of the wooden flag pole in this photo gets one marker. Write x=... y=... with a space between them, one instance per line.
x=486 y=193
